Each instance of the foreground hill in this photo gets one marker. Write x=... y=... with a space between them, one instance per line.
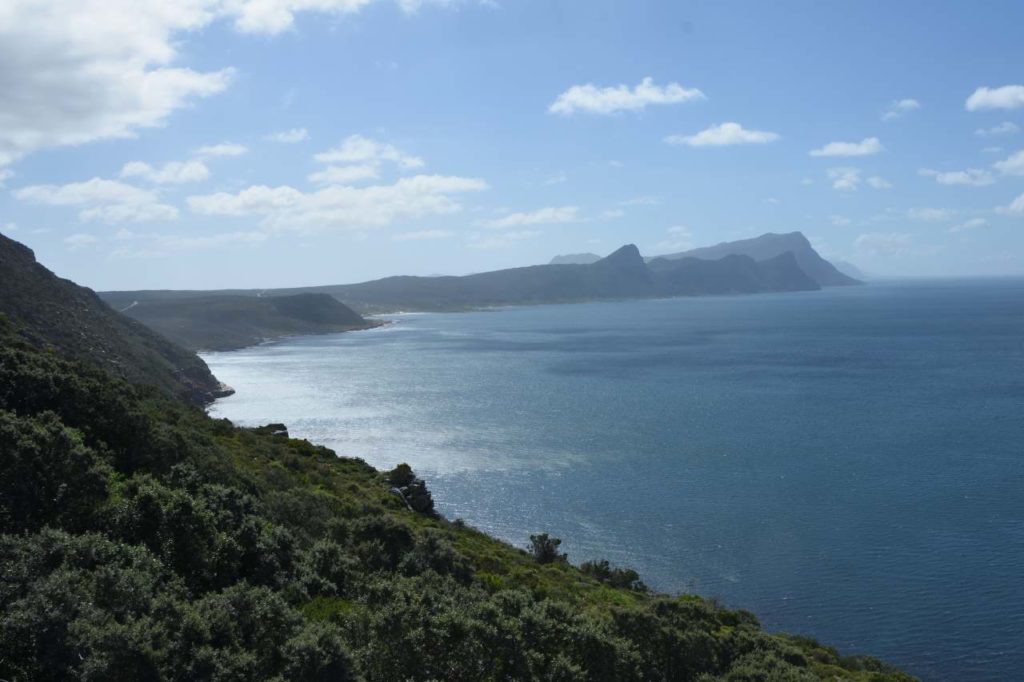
x=54 y=312
x=142 y=540
x=771 y=245
x=233 y=321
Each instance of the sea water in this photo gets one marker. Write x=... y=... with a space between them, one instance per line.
x=847 y=464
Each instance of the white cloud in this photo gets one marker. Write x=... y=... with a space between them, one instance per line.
x=680 y=238
x=173 y=172
x=883 y=243
x=158 y=245
x=1006 y=97
x=972 y=177
x=641 y=201
x=5 y=174
x=340 y=175
x=866 y=147
x=972 y=224
x=839 y=220
x=356 y=149
x=1004 y=128
x=76 y=71
x=992 y=150
x=612 y=214
x=289 y=136
x=1014 y=165
x=556 y=179
x=845 y=179
x=899 y=108
x=545 y=216
x=1016 y=207
x=421 y=235
x=104 y=200
x=222 y=149
x=10 y=227
x=502 y=240
x=930 y=215
x=594 y=100
x=722 y=135
x=877 y=182
x=79 y=240
x=341 y=207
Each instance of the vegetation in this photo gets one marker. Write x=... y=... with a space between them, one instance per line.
x=56 y=313
x=143 y=540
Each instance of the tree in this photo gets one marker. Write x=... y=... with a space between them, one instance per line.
x=545 y=549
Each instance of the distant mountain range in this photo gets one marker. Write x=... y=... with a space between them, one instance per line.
x=575 y=259
x=230 y=318
x=771 y=245
x=56 y=313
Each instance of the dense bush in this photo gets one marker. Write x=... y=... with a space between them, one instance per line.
x=142 y=540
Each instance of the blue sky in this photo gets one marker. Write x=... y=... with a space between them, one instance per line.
x=220 y=143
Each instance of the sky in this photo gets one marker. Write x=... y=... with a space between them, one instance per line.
x=266 y=143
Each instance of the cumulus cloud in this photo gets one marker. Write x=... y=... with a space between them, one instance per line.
x=899 y=108
x=1014 y=165
x=545 y=216
x=79 y=240
x=422 y=235
x=610 y=100
x=1004 y=128
x=76 y=71
x=289 y=136
x=222 y=149
x=102 y=200
x=502 y=240
x=845 y=179
x=866 y=147
x=877 y=182
x=341 y=207
x=173 y=172
x=356 y=149
x=883 y=243
x=340 y=175
x=972 y=177
x=839 y=221
x=972 y=224
x=722 y=135
x=1006 y=97
x=1016 y=207
x=680 y=238
x=930 y=215
x=157 y=245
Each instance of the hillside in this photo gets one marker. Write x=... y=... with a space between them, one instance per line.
x=228 y=322
x=54 y=312
x=142 y=540
x=769 y=246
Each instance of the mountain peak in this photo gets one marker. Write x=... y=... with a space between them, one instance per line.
x=626 y=254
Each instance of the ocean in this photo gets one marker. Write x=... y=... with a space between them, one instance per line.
x=847 y=464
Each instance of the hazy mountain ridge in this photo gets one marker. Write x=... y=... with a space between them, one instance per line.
x=771 y=245
x=74 y=320
x=575 y=259
x=235 y=321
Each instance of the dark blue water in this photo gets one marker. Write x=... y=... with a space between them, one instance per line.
x=847 y=464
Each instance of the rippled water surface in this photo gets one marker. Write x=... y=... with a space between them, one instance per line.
x=847 y=464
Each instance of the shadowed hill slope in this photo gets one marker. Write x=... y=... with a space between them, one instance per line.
x=228 y=322
x=73 y=319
